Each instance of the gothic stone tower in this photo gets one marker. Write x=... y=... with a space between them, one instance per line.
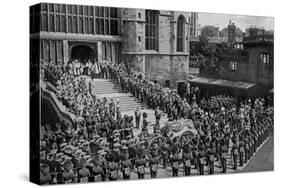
x=156 y=43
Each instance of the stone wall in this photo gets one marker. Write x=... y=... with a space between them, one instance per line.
x=167 y=67
x=241 y=74
x=257 y=71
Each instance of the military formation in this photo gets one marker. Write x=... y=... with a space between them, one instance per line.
x=101 y=145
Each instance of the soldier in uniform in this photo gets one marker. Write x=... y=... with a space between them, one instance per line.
x=58 y=169
x=235 y=153
x=125 y=164
x=83 y=173
x=132 y=152
x=68 y=176
x=156 y=127
x=137 y=117
x=45 y=177
x=241 y=152
x=187 y=159
x=202 y=158
x=255 y=134
x=154 y=161
x=247 y=148
x=148 y=99
x=195 y=155
x=224 y=155
x=157 y=114
x=97 y=172
x=212 y=157
x=251 y=144
x=260 y=135
x=175 y=113
x=165 y=154
x=112 y=168
x=138 y=90
x=52 y=164
x=175 y=161
x=142 y=95
x=102 y=162
x=144 y=123
x=132 y=88
x=140 y=164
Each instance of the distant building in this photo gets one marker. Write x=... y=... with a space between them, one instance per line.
x=231 y=28
x=217 y=40
x=217 y=32
x=255 y=31
x=194 y=25
x=244 y=70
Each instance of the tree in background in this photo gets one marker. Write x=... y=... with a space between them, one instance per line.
x=210 y=31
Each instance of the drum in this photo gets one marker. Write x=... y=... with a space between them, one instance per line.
x=203 y=161
x=114 y=174
x=97 y=178
x=188 y=163
x=212 y=158
x=127 y=171
x=176 y=165
x=241 y=150
x=154 y=168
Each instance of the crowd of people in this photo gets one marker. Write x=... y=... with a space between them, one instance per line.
x=101 y=146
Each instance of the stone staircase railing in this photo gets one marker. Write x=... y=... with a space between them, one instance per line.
x=60 y=109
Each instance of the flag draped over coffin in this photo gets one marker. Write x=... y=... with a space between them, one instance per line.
x=180 y=126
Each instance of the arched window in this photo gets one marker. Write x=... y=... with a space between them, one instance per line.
x=180 y=33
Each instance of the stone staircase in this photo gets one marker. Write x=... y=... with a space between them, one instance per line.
x=128 y=103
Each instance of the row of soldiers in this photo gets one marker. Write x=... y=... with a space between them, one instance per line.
x=125 y=158
x=152 y=94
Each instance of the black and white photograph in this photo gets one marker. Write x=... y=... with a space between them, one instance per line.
x=122 y=94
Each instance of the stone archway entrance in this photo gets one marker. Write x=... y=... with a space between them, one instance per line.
x=83 y=53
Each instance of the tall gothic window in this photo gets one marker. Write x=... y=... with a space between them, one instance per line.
x=151 y=30
x=180 y=33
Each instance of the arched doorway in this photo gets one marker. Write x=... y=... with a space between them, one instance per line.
x=83 y=53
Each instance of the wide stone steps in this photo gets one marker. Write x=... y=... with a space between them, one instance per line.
x=127 y=102
x=105 y=88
